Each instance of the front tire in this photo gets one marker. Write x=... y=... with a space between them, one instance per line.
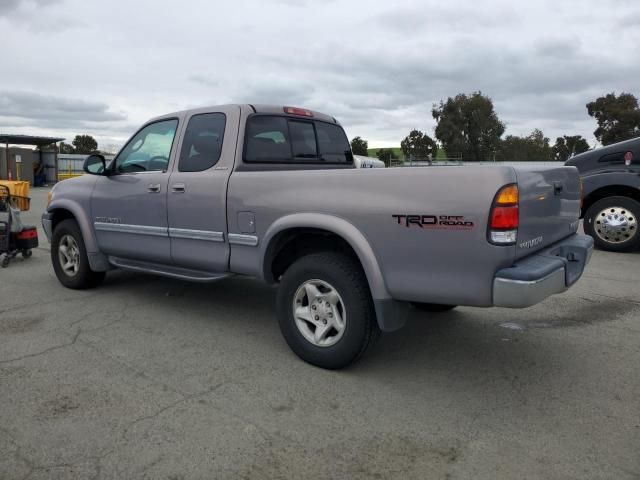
x=325 y=310
x=613 y=224
x=69 y=258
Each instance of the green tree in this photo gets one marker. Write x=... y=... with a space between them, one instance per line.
x=387 y=155
x=66 y=148
x=85 y=144
x=467 y=125
x=567 y=146
x=359 y=146
x=618 y=117
x=533 y=147
x=418 y=146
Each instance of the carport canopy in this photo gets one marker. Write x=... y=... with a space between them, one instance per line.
x=27 y=140
x=7 y=140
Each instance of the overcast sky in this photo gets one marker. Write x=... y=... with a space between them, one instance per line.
x=104 y=67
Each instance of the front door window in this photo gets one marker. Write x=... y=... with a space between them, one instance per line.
x=149 y=149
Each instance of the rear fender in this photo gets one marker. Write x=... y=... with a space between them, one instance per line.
x=388 y=318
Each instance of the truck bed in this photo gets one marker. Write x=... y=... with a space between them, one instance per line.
x=451 y=262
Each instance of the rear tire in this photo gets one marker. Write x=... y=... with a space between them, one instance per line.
x=336 y=288
x=613 y=223
x=67 y=245
x=432 y=307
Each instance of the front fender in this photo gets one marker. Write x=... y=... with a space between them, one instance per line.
x=83 y=219
x=625 y=178
x=97 y=260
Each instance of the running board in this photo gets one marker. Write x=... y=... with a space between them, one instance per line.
x=166 y=270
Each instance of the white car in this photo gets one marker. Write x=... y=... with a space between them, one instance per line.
x=361 y=161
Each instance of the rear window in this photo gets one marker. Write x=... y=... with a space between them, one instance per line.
x=303 y=140
x=333 y=143
x=278 y=139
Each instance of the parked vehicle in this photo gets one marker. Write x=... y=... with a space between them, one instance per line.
x=360 y=161
x=611 y=181
x=272 y=192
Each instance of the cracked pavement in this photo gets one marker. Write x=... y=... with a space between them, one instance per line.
x=147 y=377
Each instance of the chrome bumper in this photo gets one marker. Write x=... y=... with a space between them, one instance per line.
x=47 y=224
x=547 y=272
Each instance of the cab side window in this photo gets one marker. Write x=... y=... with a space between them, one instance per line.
x=149 y=150
x=202 y=142
x=267 y=140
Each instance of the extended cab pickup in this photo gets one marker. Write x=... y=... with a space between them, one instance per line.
x=272 y=192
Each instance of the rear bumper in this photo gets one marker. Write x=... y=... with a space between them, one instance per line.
x=47 y=223
x=547 y=272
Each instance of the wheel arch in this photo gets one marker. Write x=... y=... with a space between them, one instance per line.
x=67 y=209
x=609 y=191
x=292 y=227
x=390 y=313
x=60 y=214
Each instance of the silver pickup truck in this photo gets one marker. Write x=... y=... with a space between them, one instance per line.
x=272 y=192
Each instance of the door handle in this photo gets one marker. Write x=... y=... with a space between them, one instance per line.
x=153 y=188
x=557 y=188
x=178 y=188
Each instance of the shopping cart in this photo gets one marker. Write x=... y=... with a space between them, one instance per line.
x=15 y=237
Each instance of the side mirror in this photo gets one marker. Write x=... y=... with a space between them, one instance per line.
x=95 y=165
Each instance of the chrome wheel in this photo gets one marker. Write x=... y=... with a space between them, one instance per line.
x=319 y=313
x=69 y=255
x=615 y=225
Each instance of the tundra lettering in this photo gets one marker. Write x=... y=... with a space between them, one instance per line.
x=531 y=243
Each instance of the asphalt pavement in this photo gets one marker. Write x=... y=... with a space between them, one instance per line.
x=147 y=377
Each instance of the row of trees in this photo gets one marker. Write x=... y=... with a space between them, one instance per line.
x=468 y=128
x=84 y=144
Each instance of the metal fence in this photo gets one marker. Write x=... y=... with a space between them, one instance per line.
x=436 y=163
x=70 y=165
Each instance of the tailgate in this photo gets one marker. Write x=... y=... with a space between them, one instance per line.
x=549 y=206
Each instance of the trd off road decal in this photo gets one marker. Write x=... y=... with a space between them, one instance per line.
x=436 y=222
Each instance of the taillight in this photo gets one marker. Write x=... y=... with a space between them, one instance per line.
x=298 y=111
x=628 y=158
x=27 y=234
x=504 y=218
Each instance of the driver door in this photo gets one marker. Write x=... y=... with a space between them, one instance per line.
x=129 y=206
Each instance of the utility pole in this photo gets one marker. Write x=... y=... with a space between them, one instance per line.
x=6 y=157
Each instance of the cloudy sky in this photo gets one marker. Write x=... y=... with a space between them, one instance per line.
x=104 y=67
